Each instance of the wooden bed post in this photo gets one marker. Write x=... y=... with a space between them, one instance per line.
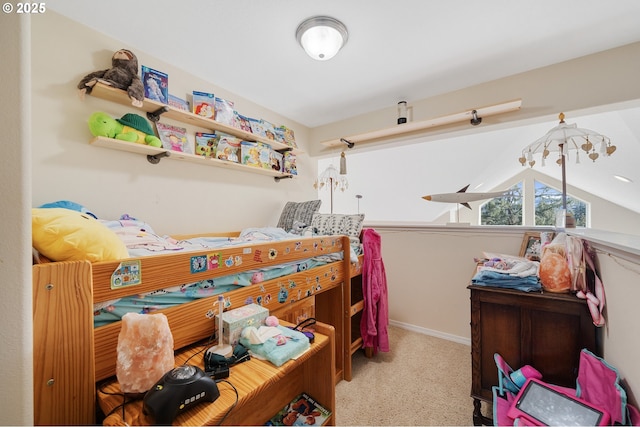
x=63 y=347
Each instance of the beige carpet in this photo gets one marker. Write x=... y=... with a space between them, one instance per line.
x=423 y=380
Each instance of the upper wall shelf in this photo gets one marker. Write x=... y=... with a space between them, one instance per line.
x=417 y=128
x=119 y=96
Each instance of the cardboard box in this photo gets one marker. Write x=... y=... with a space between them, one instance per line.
x=234 y=321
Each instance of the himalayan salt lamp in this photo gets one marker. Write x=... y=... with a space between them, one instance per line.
x=555 y=275
x=145 y=351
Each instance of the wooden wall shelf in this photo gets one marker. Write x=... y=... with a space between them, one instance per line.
x=119 y=96
x=417 y=128
x=157 y=153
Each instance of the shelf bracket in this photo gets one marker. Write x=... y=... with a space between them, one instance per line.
x=278 y=178
x=154 y=116
x=155 y=159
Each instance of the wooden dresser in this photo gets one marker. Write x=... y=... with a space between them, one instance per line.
x=544 y=330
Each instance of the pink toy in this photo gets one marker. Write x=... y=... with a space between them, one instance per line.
x=271 y=321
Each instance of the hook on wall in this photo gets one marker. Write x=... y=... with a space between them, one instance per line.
x=349 y=143
x=475 y=120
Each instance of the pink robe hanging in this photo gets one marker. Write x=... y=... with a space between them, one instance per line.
x=375 y=315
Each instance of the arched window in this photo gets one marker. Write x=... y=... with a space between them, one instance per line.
x=548 y=201
x=504 y=210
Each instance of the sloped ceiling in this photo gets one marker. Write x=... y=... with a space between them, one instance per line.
x=404 y=49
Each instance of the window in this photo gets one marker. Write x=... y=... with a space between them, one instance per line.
x=505 y=210
x=549 y=200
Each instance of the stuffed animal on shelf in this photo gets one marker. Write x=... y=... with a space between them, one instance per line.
x=130 y=127
x=123 y=74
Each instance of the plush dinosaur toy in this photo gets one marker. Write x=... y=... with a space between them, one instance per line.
x=123 y=74
x=130 y=127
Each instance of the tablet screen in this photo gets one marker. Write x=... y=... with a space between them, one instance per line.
x=551 y=407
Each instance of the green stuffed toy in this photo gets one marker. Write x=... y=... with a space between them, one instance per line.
x=130 y=127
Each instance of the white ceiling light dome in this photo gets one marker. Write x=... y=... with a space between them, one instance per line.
x=322 y=37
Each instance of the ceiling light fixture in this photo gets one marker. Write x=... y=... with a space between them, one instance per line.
x=322 y=37
x=622 y=178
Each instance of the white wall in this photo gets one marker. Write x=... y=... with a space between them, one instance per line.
x=173 y=196
x=16 y=350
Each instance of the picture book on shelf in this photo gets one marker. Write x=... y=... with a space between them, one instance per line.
x=206 y=144
x=224 y=111
x=269 y=130
x=276 y=161
x=228 y=148
x=256 y=127
x=242 y=122
x=204 y=104
x=289 y=137
x=279 y=133
x=290 y=163
x=179 y=103
x=156 y=84
x=301 y=411
x=174 y=138
x=255 y=154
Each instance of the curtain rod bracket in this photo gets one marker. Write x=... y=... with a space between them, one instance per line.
x=349 y=143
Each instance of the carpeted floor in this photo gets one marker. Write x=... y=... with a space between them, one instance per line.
x=422 y=381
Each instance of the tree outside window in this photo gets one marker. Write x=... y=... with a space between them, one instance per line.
x=507 y=210
x=548 y=201
x=504 y=210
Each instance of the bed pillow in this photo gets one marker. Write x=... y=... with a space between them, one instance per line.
x=298 y=211
x=330 y=224
x=66 y=235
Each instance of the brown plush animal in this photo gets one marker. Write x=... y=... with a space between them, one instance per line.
x=123 y=74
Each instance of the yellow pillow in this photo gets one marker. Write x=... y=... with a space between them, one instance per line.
x=65 y=235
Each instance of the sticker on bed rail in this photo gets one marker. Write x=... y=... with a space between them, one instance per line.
x=198 y=263
x=128 y=273
x=214 y=261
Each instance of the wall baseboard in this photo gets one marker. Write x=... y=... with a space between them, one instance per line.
x=431 y=332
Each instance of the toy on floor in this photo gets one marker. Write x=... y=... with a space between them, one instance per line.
x=123 y=74
x=130 y=127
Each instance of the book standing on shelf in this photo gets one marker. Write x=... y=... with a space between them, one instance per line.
x=225 y=112
x=206 y=144
x=156 y=84
x=174 y=138
x=179 y=103
x=255 y=154
x=289 y=137
x=204 y=104
x=228 y=148
x=301 y=411
x=276 y=160
x=242 y=122
x=269 y=130
x=290 y=163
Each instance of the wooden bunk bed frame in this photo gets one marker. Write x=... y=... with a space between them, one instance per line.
x=70 y=355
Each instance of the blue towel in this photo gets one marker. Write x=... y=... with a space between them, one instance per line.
x=296 y=344
x=501 y=280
